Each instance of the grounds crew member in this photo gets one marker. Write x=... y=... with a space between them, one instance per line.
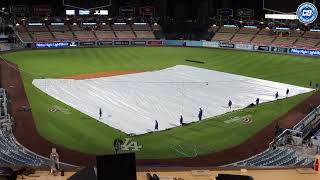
x=200 y=114
x=230 y=104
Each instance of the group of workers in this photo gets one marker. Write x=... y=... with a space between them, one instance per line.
x=200 y=113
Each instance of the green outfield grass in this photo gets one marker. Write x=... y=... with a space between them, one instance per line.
x=82 y=133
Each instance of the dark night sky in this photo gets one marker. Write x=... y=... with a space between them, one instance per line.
x=187 y=6
x=218 y=3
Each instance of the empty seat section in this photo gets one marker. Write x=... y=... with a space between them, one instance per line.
x=60 y=28
x=125 y=35
x=75 y=28
x=295 y=33
x=265 y=32
x=222 y=37
x=306 y=43
x=143 y=27
x=284 y=41
x=85 y=35
x=42 y=36
x=310 y=34
x=37 y=28
x=145 y=35
x=105 y=35
x=228 y=30
x=105 y=27
x=248 y=31
x=121 y=27
x=62 y=36
x=244 y=38
x=262 y=39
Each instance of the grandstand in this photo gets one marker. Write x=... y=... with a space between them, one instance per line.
x=306 y=42
x=141 y=27
x=311 y=34
x=262 y=40
x=284 y=41
x=145 y=35
x=58 y=28
x=222 y=36
x=242 y=38
x=11 y=151
x=37 y=28
x=281 y=156
x=286 y=149
x=125 y=35
x=42 y=36
x=249 y=31
x=225 y=29
x=85 y=35
x=105 y=35
x=121 y=27
x=75 y=32
x=105 y=27
x=63 y=36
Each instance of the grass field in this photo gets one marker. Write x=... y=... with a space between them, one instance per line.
x=79 y=132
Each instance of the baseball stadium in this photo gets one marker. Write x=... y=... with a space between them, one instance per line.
x=159 y=90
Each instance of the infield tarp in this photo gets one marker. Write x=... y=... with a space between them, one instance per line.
x=132 y=103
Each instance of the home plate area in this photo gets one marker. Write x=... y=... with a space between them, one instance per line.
x=133 y=102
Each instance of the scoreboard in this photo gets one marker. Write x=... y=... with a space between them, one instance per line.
x=87 y=4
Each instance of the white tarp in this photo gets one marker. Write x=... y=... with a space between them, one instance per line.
x=132 y=103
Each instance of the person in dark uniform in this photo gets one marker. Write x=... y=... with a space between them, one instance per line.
x=156 y=127
x=100 y=113
x=257 y=101
x=181 y=121
x=230 y=104
x=200 y=114
x=277 y=95
x=287 y=92
x=117 y=145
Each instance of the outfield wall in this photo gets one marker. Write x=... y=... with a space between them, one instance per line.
x=184 y=43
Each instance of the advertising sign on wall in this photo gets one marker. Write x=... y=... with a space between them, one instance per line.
x=263 y=48
x=213 y=44
x=105 y=43
x=226 y=45
x=279 y=49
x=138 y=42
x=155 y=43
x=87 y=43
x=244 y=46
x=52 y=44
x=304 y=52
x=121 y=43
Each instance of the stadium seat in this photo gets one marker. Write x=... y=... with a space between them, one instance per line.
x=222 y=36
